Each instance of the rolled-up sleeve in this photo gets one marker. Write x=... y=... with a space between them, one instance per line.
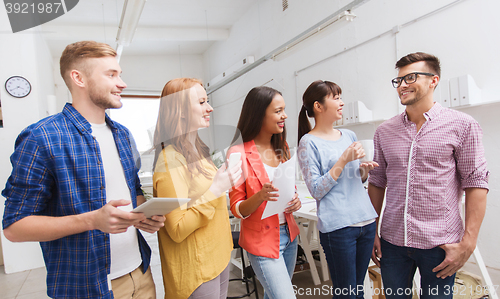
x=471 y=162
x=378 y=176
x=29 y=185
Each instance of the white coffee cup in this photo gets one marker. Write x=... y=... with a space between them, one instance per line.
x=367 y=145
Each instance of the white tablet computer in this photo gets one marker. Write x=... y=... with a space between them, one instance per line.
x=160 y=206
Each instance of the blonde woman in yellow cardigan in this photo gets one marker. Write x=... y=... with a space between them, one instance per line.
x=195 y=243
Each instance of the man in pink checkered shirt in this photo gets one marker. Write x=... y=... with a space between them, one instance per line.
x=428 y=156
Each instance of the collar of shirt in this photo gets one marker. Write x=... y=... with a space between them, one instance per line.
x=429 y=115
x=80 y=122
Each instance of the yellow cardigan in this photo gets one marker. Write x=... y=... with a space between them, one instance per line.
x=195 y=243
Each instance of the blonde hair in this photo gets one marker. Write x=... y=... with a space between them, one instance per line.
x=75 y=55
x=172 y=126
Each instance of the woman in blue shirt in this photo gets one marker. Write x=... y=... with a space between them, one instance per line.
x=334 y=176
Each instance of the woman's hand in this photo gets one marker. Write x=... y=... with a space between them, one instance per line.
x=250 y=205
x=225 y=179
x=353 y=152
x=365 y=167
x=267 y=193
x=294 y=205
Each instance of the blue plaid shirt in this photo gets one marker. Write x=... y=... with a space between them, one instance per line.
x=58 y=171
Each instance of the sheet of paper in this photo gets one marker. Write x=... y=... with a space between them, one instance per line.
x=284 y=180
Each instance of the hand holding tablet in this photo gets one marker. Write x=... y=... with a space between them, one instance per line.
x=160 y=206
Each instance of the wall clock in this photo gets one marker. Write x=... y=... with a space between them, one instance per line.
x=18 y=86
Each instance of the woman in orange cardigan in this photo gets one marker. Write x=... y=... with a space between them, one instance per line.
x=271 y=243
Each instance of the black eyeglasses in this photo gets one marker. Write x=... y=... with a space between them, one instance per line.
x=409 y=78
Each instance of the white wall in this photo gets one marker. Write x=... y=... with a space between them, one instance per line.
x=27 y=55
x=462 y=36
x=152 y=72
x=61 y=91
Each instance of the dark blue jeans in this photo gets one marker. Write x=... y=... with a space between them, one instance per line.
x=348 y=251
x=398 y=265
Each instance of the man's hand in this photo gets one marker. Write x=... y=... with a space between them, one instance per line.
x=377 y=251
x=456 y=256
x=110 y=219
x=151 y=225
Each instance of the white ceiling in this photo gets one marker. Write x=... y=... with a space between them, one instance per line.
x=166 y=27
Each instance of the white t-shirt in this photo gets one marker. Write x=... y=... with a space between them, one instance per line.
x=270 y=174
x=125 y=254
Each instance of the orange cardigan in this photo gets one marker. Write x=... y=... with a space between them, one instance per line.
x=259 y=237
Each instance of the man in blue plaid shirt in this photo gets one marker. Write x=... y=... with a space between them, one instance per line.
x=74 y=182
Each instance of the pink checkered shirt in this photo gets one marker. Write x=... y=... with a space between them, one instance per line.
x=425 y=174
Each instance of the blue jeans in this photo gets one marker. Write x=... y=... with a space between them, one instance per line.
x=348 y=251
x=398 y=265
x=275 y=275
